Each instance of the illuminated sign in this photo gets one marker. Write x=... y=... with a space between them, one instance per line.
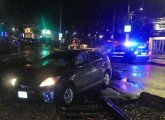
x=127 y=28
x=46 y=32
x=28 y=30
x=60 y=36
x=4 y=34
x=160 y=26
x=158 y=38
x=28 y=33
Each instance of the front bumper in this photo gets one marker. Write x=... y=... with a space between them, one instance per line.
x=142 y=58
x=45 y=94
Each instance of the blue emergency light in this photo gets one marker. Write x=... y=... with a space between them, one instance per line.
x=130 y=44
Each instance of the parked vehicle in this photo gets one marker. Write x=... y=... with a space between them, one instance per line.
x=130 y=54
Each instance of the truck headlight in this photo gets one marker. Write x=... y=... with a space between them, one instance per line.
x=49 y=81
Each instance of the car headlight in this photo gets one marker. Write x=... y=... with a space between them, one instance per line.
x=13 y=81
x=49 y=81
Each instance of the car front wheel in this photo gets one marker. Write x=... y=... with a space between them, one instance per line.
x=66 y=96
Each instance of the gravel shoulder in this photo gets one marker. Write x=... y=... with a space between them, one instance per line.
x=138 y=111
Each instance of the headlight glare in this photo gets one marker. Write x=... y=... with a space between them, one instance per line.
x=48 y=82
x=13 y=81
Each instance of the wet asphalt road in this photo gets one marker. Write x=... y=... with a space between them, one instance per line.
x=148 y=77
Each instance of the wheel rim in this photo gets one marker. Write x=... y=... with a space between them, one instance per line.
x=68 y=96
x=106 y=79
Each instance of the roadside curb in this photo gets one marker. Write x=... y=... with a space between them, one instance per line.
x=157 y=63
x=152 y=101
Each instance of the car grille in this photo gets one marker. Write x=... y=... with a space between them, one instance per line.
x=27 y=88
x=24 y=87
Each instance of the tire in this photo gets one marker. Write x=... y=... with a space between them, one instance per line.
x=107 y=80
x=66 y=96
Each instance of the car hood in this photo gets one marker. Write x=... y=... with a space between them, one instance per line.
x=34 y=75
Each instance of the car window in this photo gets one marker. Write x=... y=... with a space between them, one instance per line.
x=58 y=59
x=81 y=59
x=95 y=55
x=60 y=62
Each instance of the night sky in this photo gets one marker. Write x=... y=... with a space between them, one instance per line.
x=79 y=13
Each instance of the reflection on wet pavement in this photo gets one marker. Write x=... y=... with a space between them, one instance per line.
x=149 y=78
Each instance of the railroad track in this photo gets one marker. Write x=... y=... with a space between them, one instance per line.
x=91 y=107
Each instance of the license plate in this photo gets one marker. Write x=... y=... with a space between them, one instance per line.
x=22 y=94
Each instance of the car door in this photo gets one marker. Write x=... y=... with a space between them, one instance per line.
x=96 y=63
x=83 y=76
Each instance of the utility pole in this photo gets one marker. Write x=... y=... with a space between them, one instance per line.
x=128 y=14
x=113 y=29
x=128 y=20
x=60 y=30
x=61 y=18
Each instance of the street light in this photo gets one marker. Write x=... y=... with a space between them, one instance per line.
x=74 y=33
x=13 y=29
x=101 y=36
x=141 y=9
x=133 y=13
x=66 y=32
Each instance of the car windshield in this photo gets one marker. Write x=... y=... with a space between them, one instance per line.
x=60 y=59
x=59 y=62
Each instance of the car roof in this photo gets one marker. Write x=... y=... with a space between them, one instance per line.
x=66 y=53
x=75 y=51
